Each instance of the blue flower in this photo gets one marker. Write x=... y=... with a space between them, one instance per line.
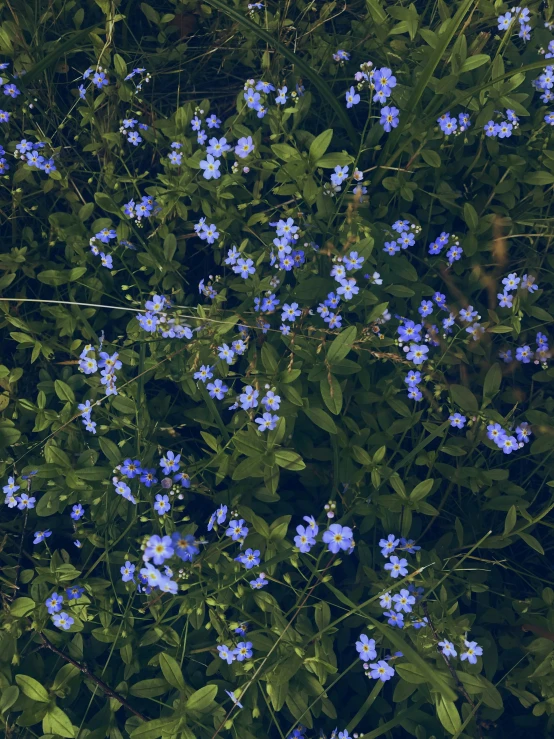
x=381 y=670
x=158 y=548
x=54 y=603
x=184 y=546
x=259 y=583
x=366 y=648
x=131 y=468
x=244 y=147
x=170 y=463
x=397 y=567
x=217 y=389
x=417 y=353
x=457 y=420
x=237 y=530
x=235 y=700
x=338 y=538
x=162 y=504
x=267 y=422
x=210 y=167
x=352 y=97
x=409 y=545
x=389 y=117
x=388 y=545
x=77 y=512
x=62 y=620
x=447 y=648
x=74 y=592
x=305 y=539
x=40 y=536
x=127 y=571
x=473 y=650
x=25 y=502
x=250 y=558
x=244 y=267
x=204 y=373
x=403 y=601
x=243 y=651
x=226 y=654
x=395 y=619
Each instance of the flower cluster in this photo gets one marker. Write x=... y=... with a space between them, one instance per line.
x=507 y=22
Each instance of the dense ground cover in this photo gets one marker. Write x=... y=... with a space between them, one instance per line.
x=275 y=434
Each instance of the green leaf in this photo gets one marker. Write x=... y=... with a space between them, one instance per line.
x=58 y=722
x=74 y=41
x=472 y=62
x=510 y=522
x=106 y=203
x=270 y=360
x=154 y=729
x=110 y=449
x=56 y=277
x=289 y=460
x=151 y=688
x=448 y=715
x=539 y=178
x=64 y=392
x=421 y=490
x=321 y=419
x=340 y=346
x=493 y=379
x=470 y=216
x=9 y=697
x=464 y=398
x=22 y=606
x=301 y=67
x=331 y=393
x=330 y=161
x=531 y=541
x=285 y=152
x=201 y=700
x=119 y=65
x=249 y=467
x=32 y=688
x=319 y=145
x=431 y=158
x=172 y=672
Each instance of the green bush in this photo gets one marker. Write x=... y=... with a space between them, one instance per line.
x=276 y=283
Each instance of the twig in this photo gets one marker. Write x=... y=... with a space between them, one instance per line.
x=46 y=643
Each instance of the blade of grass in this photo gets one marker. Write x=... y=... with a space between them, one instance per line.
x=318 y=82
x=73 y=42
x=434 y=59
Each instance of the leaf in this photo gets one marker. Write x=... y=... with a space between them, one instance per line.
x=154 y=729
x=539 y=178
x=431 y=158
x=410 y=673
x=56 y=277
x=58 y=722
x=301 y=67
x=110 y=449
x=172 y=672
x=421 y=490
x=319 y=145
x=249 y=467
x=493 y=379
x=531 y=541
x=464 y=398
x=270 y=360
x=331 y=393
x=510 y=522
x=64 y=392
x=448 y=715
x=151 y=688
x=321 y=419
x=74 y=41
x=285 y=152
x=472 y=62
x=119 y=65
x=470 y=216
x=340 y=346
x=330 y=161
x=9 y=697
x=22 y=606
x=201 y=700
x=32 y=688
x=289 y=460
x=106 y=203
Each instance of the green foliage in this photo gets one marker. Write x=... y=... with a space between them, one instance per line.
x=348 y=446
